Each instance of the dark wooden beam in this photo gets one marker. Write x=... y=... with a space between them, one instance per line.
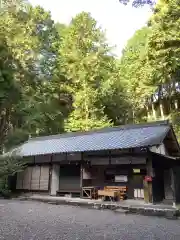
x=109 y=156
x=81 y=173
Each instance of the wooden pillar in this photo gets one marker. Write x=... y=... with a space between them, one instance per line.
x=148 y=185
x=81 y=174
x=173 y=186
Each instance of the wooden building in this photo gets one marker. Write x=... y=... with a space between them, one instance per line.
x=144 y=158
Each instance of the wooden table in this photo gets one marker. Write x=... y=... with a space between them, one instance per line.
x=89 y=192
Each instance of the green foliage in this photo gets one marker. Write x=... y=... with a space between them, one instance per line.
x=163 y=56
x=33 y=93
x=134 y=69
x=56 y=78
x=9 y=165
x=164 y=44
x=150 y=65
x=53 y=78
x=4 y=188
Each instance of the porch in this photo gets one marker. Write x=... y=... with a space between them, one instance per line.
x=128 y=172
x=118 y=173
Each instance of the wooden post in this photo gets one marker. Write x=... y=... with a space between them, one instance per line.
x=173 y=187
x=81 y=175
x=146 y=192
x=109 y=157
x=149 y=184
x=50 y=173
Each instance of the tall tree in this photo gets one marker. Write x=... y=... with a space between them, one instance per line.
x=11 y=71
x=49 y=105
x=163 y=44
x=134 y=69
x=30 y=43
x=157 y=76
x=93 y=77
x=164 y=56
x=83 y=50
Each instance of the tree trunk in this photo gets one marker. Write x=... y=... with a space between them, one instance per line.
x=154 y=111
x=161 y=110
x=176 y=104
x=148 y=113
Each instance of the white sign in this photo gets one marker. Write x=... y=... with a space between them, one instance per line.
x=121 y=178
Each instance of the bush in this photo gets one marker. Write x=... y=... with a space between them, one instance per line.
x=4 y=188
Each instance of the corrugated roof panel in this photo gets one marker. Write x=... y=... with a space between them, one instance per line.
x=121 y=139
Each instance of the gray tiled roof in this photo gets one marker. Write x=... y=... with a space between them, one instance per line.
x=110 y=138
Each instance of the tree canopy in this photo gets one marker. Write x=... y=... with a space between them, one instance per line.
x=58 y=78
x=30 y=96
x=133 y=69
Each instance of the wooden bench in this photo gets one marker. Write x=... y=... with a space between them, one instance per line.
x=122 y=190
x=113 y=192
x=112 y=195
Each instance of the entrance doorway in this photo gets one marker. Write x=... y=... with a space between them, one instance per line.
x=162 y=186
x=69 y=180
x=135 y=183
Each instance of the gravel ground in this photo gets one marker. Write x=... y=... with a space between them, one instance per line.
x=41 y=221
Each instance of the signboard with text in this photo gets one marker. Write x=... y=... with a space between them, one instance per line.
x=121 y=178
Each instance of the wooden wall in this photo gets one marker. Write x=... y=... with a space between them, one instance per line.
x=34 y=178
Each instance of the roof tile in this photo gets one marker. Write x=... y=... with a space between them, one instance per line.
x=112 y=138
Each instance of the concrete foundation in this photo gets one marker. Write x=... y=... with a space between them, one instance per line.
x=127 y=206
